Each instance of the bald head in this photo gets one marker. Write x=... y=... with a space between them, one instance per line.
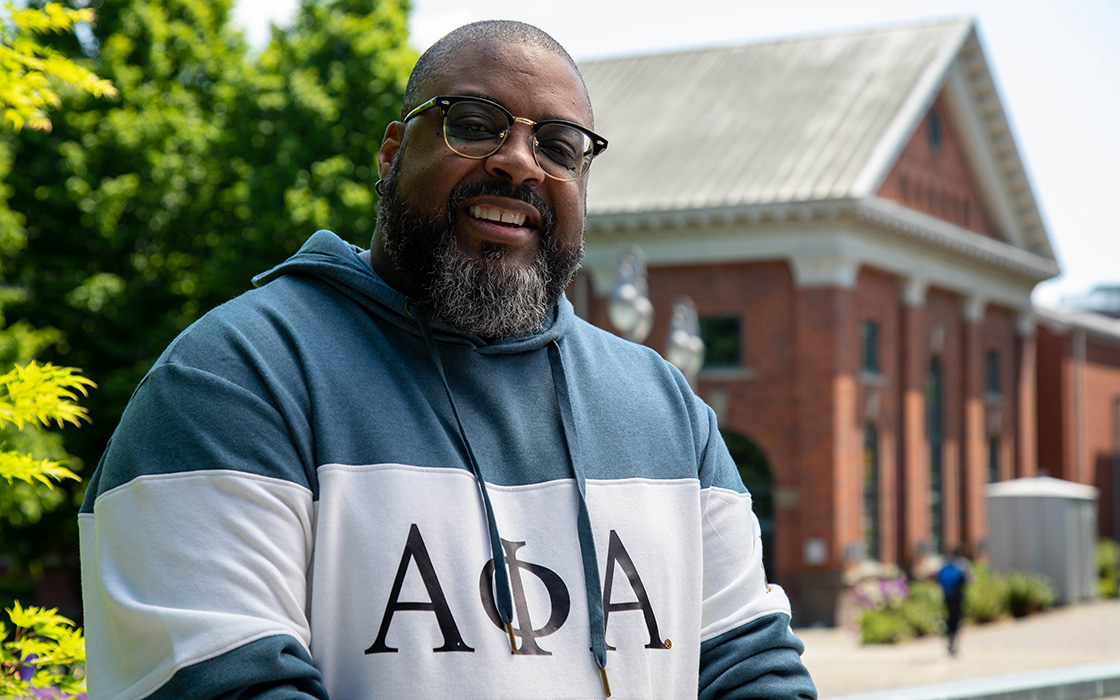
x=439 y=56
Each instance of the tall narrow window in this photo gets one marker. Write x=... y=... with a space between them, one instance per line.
x=723 y=344
x=871 y=491
x=992 y=370
x=870 y=338
x=935 y=136
x=934 y=420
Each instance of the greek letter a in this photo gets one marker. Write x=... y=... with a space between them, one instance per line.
x=416 y=551
x=618 y=556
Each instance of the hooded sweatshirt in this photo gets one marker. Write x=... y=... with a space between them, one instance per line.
x=317 y=491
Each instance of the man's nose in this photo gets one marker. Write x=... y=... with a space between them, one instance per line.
x=515 y=159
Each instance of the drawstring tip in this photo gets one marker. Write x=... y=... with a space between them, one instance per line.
x=606 y=683
x=512 y=641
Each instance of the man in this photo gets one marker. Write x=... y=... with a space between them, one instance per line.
x=412 y=472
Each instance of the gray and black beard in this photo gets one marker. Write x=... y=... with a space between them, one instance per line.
x=490 y=297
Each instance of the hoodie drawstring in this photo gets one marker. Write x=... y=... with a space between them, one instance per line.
x=583 y=521
x=592 y=585
x=501 y=573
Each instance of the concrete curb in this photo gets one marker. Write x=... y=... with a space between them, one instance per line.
x=1088 y=682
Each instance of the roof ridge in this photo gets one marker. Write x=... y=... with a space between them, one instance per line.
x=824 y=33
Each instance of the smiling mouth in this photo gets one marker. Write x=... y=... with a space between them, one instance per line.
x=497 y=215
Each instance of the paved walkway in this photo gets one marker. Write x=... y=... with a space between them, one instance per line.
x=1069 y=636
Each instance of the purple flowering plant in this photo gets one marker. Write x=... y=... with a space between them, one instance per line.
x=876 y=593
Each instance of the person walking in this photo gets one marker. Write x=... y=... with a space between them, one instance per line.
x=953 y=577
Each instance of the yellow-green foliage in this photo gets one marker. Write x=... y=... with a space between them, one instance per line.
x=41 y=649
x=1108 y=568
x=40 y=394
x=31 y=73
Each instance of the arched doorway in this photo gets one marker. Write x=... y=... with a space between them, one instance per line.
x=754 y=470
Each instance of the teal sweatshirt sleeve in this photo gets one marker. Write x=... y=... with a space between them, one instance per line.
x=196 y=540
x=760 y=660
x=275 y=668
x=748 y=649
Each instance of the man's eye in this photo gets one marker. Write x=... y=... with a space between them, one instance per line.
x=562 y=150
x=474 y=129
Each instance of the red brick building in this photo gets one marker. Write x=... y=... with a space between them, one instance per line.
x=1079 y=405
x=850 y=215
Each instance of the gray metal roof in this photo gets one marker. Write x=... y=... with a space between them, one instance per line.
x=783 y=121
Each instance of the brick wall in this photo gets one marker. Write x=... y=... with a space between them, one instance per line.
x=802 y=397
x=1102 y=413
x=936 y=180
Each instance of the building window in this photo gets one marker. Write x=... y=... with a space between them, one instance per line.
x=992 y=369
x=871 y=491
x=935 y=132
x=935 y=431
x=993 y=459
x=870 y=337
x=723 y=346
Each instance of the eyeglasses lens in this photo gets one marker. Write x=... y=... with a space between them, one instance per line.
x=476 y=130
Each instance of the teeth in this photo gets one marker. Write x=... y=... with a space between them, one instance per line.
x=496 y=214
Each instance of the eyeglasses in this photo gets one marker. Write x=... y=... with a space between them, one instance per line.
x=476 y=128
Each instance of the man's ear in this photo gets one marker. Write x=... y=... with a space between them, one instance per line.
x=390 y=146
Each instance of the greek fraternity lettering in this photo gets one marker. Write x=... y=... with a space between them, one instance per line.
x=415 y=551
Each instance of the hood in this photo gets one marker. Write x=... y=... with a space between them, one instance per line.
x=341 y=265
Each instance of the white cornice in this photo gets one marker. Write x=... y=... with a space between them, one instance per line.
x=930 y=231
x=949 y=237
x=825 y=244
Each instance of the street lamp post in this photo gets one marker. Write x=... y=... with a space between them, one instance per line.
x=631 y=312
x=685 y=348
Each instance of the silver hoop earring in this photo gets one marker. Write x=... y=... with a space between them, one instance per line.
x=379 y=188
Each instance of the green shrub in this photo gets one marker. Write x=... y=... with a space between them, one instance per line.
x=924 y=610
x=884 y=626
x=985 y=597
x=1029 y=593
x=1108 y=568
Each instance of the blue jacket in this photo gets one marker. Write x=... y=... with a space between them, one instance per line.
x=319 y=492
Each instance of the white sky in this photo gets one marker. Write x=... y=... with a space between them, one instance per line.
x=1057 y=64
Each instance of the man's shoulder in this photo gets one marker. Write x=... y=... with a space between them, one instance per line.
x=266 y=317
x=596 y=338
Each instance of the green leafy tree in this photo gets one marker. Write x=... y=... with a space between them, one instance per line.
x=34 y=78
x=143 y=212
x=308 y=132
x=31 y=73
x=41 y=649
x=213 y=165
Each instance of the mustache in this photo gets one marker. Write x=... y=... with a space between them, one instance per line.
x=498 y=188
